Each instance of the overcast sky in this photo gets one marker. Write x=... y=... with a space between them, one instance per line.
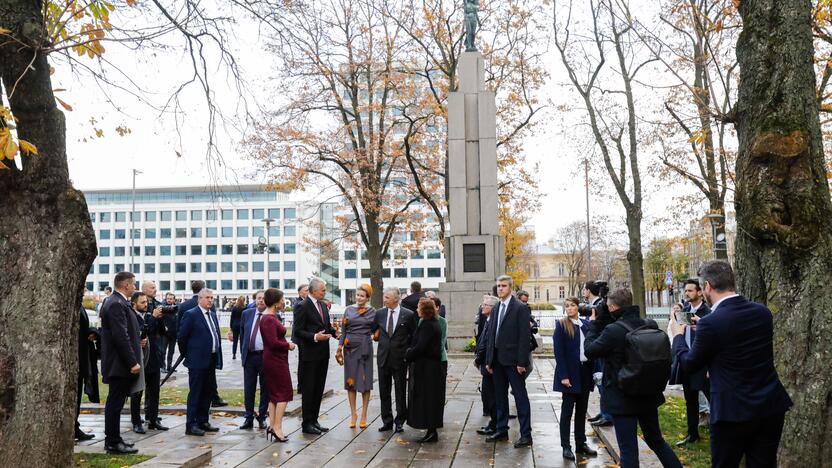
x=171 y=156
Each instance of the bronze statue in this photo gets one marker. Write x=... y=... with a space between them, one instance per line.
x=471 y=23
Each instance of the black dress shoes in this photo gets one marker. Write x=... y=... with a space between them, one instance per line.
x=248 y=424
x=310 y=429
x=139 y=429
x=601 y=422
x=129 y=444
x=568 y=454
x=120 y=449
x=261 y=423
x=399 y=428
x=385 y=428
x=80 y=436
x=430 y=436
x=512 y=416
x=486 y=431
x=218 y=402
x=194 y=431
x=497 y=436
x=207 y=427
x=687 y=440
x=321 y=428
x=595 y=418
x=584 y=449
x=525 y=441
x=157 y=425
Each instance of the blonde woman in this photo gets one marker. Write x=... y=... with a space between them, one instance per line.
x=355 y=351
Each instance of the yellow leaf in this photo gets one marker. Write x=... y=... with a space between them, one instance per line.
x=27 y=147
x=5 y=31
x=63 y=104
x=3 y=166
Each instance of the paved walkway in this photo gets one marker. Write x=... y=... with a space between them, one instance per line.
x=458 y=446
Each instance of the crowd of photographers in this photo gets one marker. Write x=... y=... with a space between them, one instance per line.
x=720 y=350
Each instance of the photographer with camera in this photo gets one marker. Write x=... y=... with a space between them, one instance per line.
x=636 y=370
x=735 y=343
x=692 y=382
x=593 y=292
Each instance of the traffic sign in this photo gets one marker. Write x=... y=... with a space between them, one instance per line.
x=668 y=278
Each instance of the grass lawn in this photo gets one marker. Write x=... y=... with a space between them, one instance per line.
x=673 y=422
x=179 y=395
x=105 y=460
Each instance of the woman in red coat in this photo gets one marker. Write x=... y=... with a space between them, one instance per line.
x=276 y=363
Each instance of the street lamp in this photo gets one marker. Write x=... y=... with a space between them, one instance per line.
x=267 y=248
x=132 y=224
x=719 y=240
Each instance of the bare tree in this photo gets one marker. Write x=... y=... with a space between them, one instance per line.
x=610 y=111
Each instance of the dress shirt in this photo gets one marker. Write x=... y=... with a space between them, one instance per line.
x=258 y=342
x=579 y=324
x=319 y=309
x=713 y=308
x=210 y=324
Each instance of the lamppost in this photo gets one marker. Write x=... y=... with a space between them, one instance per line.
x=132 y=223
x=267 y=249
x=719 y=240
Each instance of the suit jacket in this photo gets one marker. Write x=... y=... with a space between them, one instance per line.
x=84 y=344
x=120 y=346
x=184 y=307
x=481 y=350
x=412 y=301
x=155 y=331
x=568 y=360
x=735 y=342
x=391 y=349
x=513 y=337
x=246 y=325
x=195 y=341
x=308 y=323
x=694 y=380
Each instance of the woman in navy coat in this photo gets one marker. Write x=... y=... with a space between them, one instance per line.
x=573 y=377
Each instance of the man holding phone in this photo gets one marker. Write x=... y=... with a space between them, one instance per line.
x=692 y=383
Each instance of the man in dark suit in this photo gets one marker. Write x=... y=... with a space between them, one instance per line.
x=199 y=342
x=692 y=383
x=84 y=367
x=196 y=287
x=121 y=355
x=489 y=405
x=169 y=338
x=735 y=342
x=303 y=293
x=507 y=360
x=251 y=350
x=396 y=328
x=150 y=321
x=411 y=302
x=312 y=328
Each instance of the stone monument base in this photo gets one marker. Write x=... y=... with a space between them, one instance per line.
x=462 y=300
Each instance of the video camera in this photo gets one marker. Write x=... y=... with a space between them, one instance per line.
x=602 y=312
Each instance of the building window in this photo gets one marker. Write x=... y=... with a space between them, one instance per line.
x=121 y=216
x=196 y=215
x=537 y=293
x=118 y=267
x=365 y=255
x=211 y=284
x=227 y=215
x=385 y=272
x=196 y=250
x=400 y=254
x=135 y=216
x=164 y=285
x=274 y=231
x=434 y=272
x=149 y=250
x=257 y=231
x=365 y=272
x=274 y=283
x=210 y=267
x=164 y=268
x=434 y=253
x=104 y=234
x=196 y=232
x=104 y=269
x=289 y=213
x=289 y=231
x=121 y=234
x=288 y=266
x=289 y=248
x=136 y=234
x=274 y=266
x=119 y=251
x=257 y=266
x=180 y=285
x=561 y=270
x=242 y=284
x=242 y=267
x=181 y=268
x=242 y=231
x=149 y=233
x=150 y=268
x=211 y=232
x=210 y=250
x=164 y=250
x=349 y=255
x=561 y=292
x=181 y=215
x=226 y=267
x=103 y=251
x=104 y=217
x=196 y=268
x=242 y=214
x=228 y=232
x=164 y=233
x=289 y=284
x=274 y=213
x=227 y=249
x=164 y=215
x=349 y=273
x=181 y=250
x=211 y=215
x=417 y=272
x=150 y=216
x=400 y=272
x=225 y=285
x=136 y=252
x=274 y=248
x=102 y=285
x=257 y=213
x=181 y=233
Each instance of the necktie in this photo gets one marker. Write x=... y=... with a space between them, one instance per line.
x=254 y=331
x=500 y=319
x=320 y=311
x=213 y=331
x=390 y=323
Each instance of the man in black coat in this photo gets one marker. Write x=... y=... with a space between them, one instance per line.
x=121 y=356
x=507 y=360
x=150 y=321
x=411 y=302
x=169 y=338
x=303 y=293
x=396 y=325
x=84 y=367
x=487 y=384
x=313 y=329
x=609 y=340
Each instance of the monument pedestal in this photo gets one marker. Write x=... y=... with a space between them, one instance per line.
x=474 y=250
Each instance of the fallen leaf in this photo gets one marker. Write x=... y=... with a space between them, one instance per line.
x=359 y=452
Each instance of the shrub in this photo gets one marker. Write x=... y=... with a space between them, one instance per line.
x=88 y=302
x=472 y=344
x=542 y=306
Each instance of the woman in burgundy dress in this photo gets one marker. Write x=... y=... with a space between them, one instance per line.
x=276 y=363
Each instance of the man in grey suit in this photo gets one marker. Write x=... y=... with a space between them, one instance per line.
x=396 y=326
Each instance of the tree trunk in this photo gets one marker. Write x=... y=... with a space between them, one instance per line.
x=784 y=249
x=46 y=248
x=635 y=259
x=375 y=256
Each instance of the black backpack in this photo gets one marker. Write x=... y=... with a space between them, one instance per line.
x=647 y=361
